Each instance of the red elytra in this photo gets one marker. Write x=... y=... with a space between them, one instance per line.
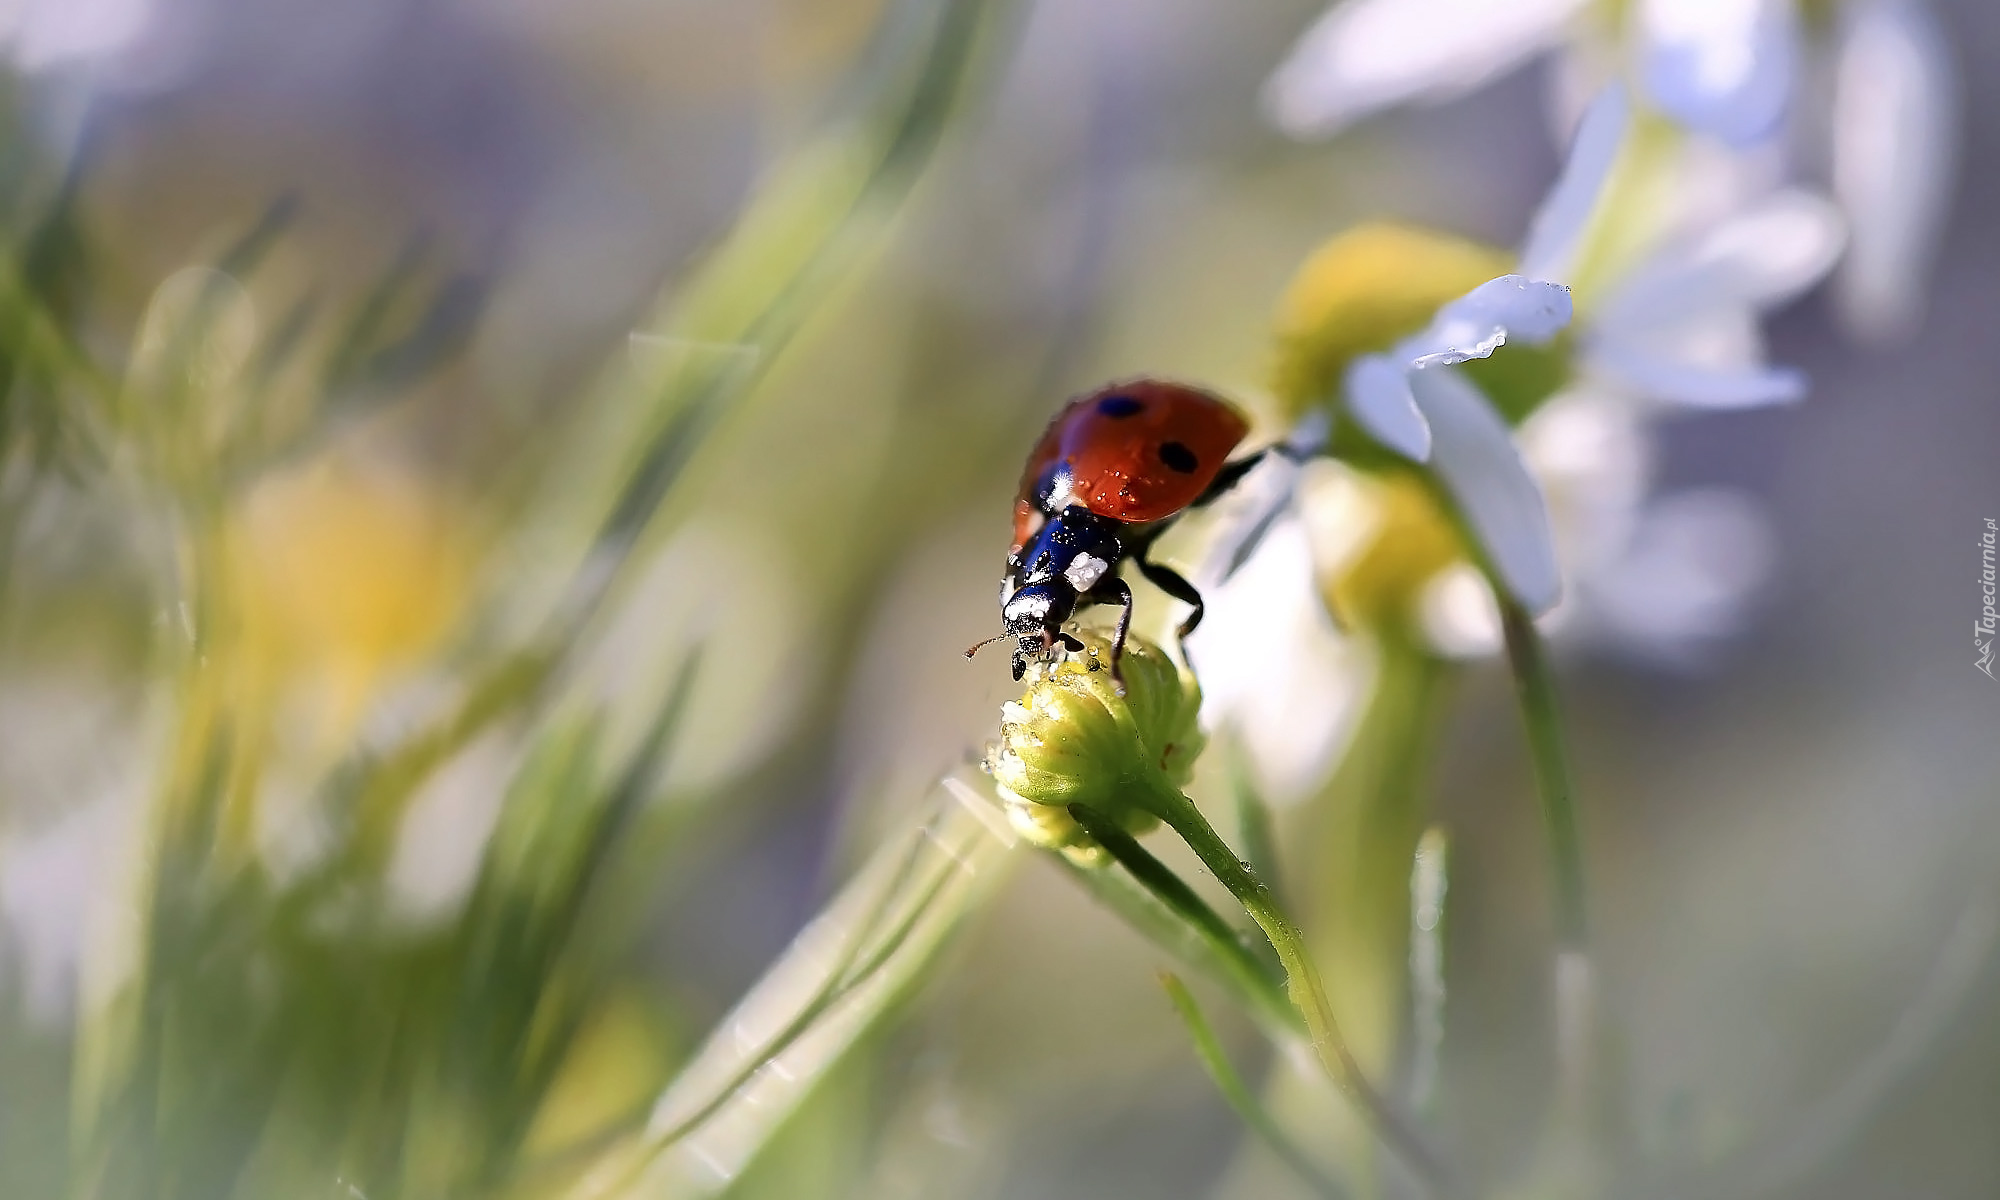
x=1138 y=452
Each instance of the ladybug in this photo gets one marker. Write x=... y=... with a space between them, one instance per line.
x=1111 y=474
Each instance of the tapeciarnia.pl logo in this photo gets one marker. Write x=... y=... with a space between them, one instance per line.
x=1983 y=628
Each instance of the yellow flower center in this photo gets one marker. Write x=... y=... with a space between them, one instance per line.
x=1361 y=293
x=1411 y=542
x=340 y=577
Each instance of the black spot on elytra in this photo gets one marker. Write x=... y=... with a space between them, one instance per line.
x=1120 y=407
x=1178 y=457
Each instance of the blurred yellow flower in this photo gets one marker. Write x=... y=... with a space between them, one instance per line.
x=1360 y=293
x=340 y=575
x=1411 y=541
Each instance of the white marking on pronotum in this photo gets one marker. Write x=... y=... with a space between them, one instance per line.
x=1085 y=571
x=1034 y=604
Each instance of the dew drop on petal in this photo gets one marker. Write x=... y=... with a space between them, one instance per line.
x=1487 y=317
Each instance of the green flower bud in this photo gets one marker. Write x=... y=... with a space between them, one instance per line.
x=1073 y=739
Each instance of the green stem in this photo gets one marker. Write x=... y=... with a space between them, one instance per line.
x=1254 y=1115
x=1239 y=965
x=1536 y=688
x=1581 y=1088
x=1307 y=992
x=1253 y=820
x=1363 y=831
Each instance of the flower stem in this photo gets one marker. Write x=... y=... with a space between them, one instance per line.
x=1239 y=964
x=1307 y=992
x=1536 y=689
x=1575 y=987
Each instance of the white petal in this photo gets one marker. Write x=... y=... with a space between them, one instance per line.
x=1591 y=453
x=1474 y=454
x=48 y=35
x=1366 y=55
x=1670 y=380
x=1274 y=671
x=1694 y=563
x=1723 y=67
x=1559 y=225
x=1485 y=318
x=50 y=882
x=1761 y=257
x=1777 y=249
x=1378 y=394
x=1895 y=134
x=1459 y=615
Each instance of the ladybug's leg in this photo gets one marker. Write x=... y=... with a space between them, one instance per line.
x=1114 y=590
x=1168 y=581
x=1232 y=473
x=1229 y=476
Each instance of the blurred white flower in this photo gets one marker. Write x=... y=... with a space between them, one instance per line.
x=67 y=812
x=1721 y=67
x=49 y=881
x=42 y=34
x=1680 y=325
x=1725 y=71
x=441 y=841
x=1275 y=673
x=1895 y=134
x=1564 y=497
x=1695 y=560
x=1458 y=615
x=1366 y=55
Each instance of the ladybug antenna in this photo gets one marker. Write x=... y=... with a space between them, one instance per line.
x=978 y=646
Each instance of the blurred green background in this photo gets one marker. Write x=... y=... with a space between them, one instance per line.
x=1786 y=842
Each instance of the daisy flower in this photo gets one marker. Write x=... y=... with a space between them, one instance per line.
x=1741 y=76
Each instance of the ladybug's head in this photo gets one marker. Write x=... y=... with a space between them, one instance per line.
x=1034 y=616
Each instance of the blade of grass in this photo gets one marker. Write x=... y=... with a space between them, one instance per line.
x=786 y=254
x=1305 y=989
x=1253 y=1114
x=740 y=1086
x=1429 y=883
